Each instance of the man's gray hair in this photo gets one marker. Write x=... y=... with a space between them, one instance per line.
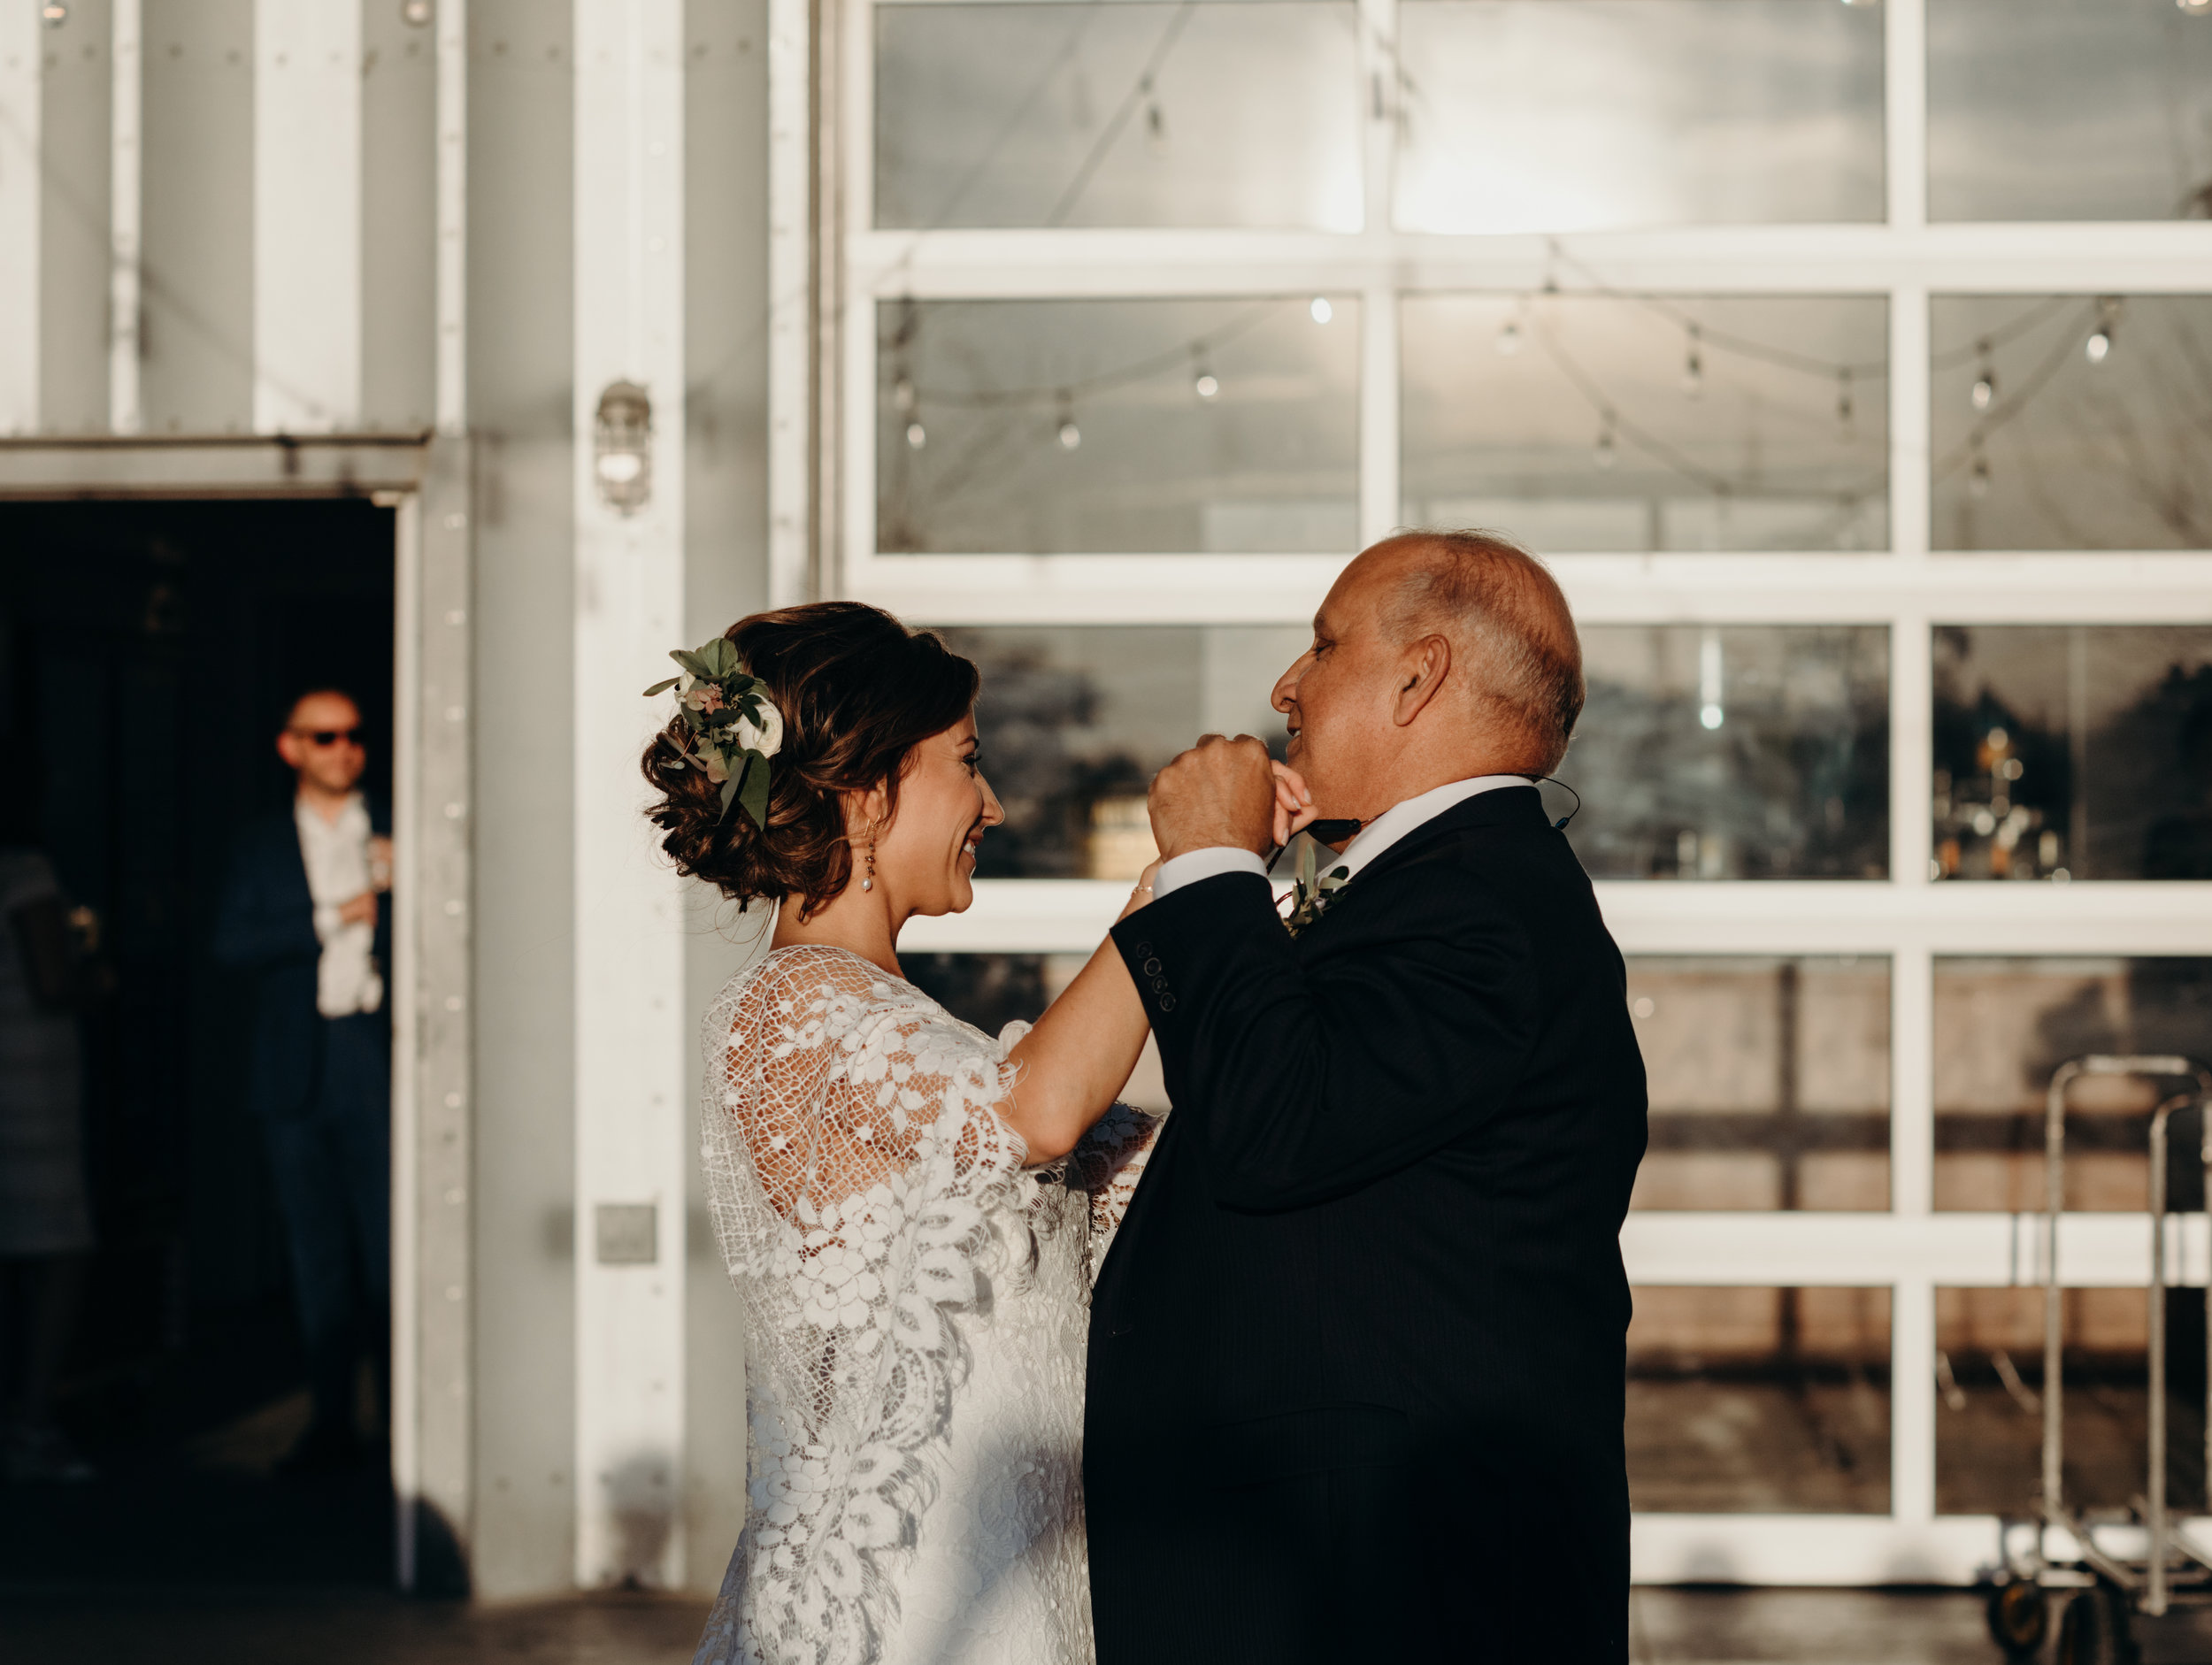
x=1504 y=614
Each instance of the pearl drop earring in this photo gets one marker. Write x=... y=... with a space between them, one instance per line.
x=869 y=882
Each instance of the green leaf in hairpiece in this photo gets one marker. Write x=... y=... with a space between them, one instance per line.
x=662 y=687
x=729 y=794
x=754 y=793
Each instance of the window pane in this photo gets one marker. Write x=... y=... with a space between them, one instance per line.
x=2071 y=421
x=993 y=990
x=1646 y=423
x=1759 y=1400
x=2002 y=1026
x=2073 y=752
x=1770 y=1082
x=1532 y=115
x=1989 y=1416
x=2068 y=110
x=1075 y=720
x=1125 y=114
x=1754 y=752
x=1053 y=427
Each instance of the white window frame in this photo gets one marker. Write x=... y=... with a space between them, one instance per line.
x=833 y=269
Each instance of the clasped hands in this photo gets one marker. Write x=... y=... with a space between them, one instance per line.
x=1227 y=794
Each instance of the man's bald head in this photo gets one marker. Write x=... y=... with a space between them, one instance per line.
x=1508 y=625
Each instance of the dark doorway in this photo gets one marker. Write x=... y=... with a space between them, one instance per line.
x=147 y=654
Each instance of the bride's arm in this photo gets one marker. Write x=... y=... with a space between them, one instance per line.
x=1069 y=1066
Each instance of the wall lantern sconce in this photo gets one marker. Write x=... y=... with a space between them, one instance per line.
x=622 y=447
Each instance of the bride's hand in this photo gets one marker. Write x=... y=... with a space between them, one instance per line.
x=1143 y=895
x=1293 y=804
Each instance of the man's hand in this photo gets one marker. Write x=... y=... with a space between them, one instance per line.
x=1224 y=794
x=360 y=911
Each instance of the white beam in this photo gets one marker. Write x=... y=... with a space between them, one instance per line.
x=22 y=190
x=451 y=393
x=630 y=1028
x=2115 y=588
x=126 y=209
x=1063 y=916
x=307 y=216
x=2121 y=257
x=791 y=437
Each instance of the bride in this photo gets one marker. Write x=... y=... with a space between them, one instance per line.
x=910 y=1208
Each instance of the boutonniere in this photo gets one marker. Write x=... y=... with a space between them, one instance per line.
x=1312 y=891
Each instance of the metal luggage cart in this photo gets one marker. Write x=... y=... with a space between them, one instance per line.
x=2108 y=1587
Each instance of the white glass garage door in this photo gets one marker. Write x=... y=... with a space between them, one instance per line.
x=1852 y=365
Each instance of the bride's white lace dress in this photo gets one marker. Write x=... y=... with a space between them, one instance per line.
x=914 y=1308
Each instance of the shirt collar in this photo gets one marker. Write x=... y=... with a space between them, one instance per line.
x=1397 y=821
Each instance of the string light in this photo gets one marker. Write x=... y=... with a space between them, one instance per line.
x=902 y=394
x=1070 y=436
x=916 y=435
x=1206 y=387
x=2098 y=348
x=54 y=13
x=1321 y=310
x=2195 y=8
x=1984 y=390
x=1508 y=338
x=1693 y=366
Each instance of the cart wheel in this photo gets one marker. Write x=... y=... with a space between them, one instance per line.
x=2095 y=1630
x=2019 y=1617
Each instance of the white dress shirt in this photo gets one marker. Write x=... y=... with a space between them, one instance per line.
x=1370 y=842
x=336 y=854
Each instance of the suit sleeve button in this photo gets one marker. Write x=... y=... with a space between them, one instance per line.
x=1152 y=968
x=1167 y=1002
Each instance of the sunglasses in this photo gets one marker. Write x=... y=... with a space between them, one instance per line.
x=330 y=736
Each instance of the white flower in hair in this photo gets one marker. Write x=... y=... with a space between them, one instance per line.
x=733 y=726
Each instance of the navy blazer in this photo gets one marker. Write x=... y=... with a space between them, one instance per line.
x=265 y=927
x=1356 y=1356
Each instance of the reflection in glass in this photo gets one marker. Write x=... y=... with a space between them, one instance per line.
x=1746 y=752
x=1769 y=1079
x=1129 y=114
x=993 y=990
x=1759 y=1400
x=1532 y=115
x=1052 y=428
x=1989 y=1412
x=2071 y=421
x=2068 y=110
x=1076 y=719
x=2073 y=752
x=2003 y=1026
x=1593 y=422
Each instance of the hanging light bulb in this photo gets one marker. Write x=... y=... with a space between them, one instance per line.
x=2195 y=8
x=2098 y=348
x=1984 y=390
x=417 y=14
x=1845 y=410
x=54 y=13
x=1321 y=310
x=1694 y=368
x=1070 y=436
x=1508 y=338
x=1606 y=453
x=1206 y=387
x=916 y=435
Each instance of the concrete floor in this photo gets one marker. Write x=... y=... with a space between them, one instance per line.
x=88 y=1626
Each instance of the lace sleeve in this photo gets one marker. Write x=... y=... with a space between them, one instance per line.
x=855 y=1166
x=1107 y=1165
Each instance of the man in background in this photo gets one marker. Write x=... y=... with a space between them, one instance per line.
x=302 y=913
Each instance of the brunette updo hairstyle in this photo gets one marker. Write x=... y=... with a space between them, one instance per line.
x=858 y=691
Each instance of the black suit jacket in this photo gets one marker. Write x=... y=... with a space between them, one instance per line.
x=265 y=927
x=1356 y=1362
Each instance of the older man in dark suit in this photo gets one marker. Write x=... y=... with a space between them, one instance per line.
x=1356 y=1362
x=301 y=912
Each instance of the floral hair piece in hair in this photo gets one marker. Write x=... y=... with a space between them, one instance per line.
x=734 y=726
